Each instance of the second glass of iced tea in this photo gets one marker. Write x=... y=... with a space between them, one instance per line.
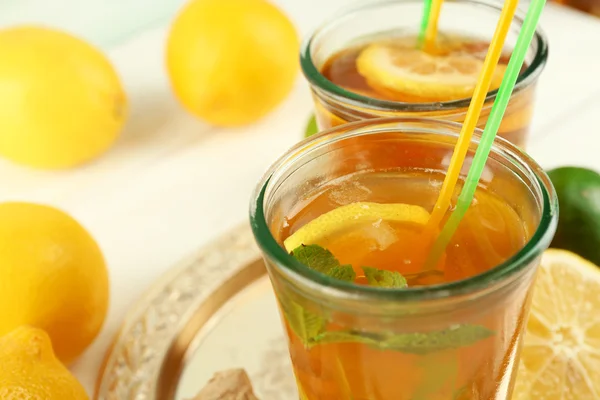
x=367 y=62
x=340 y=220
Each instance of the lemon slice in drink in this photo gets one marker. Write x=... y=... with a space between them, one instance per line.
x=560 y=359
x=410 y=71
x=347 y=217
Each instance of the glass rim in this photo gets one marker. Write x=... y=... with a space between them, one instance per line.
x=538 y=242
x=319 y=81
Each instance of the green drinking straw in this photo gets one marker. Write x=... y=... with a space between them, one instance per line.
x=424 y=20
x=489 y=133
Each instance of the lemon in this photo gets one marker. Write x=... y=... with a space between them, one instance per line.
x=404 y=69
x=352 y=215
x=52 y=276
x=231 y=62
x=61 y=102
x=31 y=371
x=561 y=357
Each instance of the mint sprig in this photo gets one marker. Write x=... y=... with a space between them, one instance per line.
x=343 y=273
x=429 y=342
x=315 y=257
x=346 y=337
x=305 y=324
x=420 y=343
x=310 y=327
x=384 y=278
x=322 y=260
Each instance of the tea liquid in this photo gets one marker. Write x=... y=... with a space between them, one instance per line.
x=490 y=233
x=342 y=70
x=366 y=69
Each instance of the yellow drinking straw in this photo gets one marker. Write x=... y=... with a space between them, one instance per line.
x=434 y=10
x=486 y=142
x=472 y=116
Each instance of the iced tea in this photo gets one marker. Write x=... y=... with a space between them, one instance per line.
x=343 y=239
x=369 y=63
x=491 y=233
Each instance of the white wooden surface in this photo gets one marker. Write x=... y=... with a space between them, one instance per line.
x=172 y=183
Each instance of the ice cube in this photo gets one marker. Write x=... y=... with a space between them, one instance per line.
x=381 y=233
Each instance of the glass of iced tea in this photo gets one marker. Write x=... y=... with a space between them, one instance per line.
x=367 y=62
x=340 y=219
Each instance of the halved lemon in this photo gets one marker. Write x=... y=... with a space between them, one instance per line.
x=560 y=359
x=393 y=67
x=347 y=217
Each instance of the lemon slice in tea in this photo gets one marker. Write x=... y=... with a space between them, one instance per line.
x=350 y=216
x=561 y=352
x=409 y=71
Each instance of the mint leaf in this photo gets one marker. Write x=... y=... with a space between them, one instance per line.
x=451 y=338
x=384 y=278
x=412 y=343
x=320 y=259
x=310 y=327
x=345 y=337
x=315 y=257
x=305 y=324
x=343 y=273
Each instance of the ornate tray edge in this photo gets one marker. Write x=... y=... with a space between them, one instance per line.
x=133 y=363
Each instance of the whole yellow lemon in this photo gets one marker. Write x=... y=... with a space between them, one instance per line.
x=52 y=276
x=31 y=371
x=61 y=102
x=232 y=61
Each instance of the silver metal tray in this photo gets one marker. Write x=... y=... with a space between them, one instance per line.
x=214 y=311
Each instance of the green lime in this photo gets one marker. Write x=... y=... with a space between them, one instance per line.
x=311 y=127
x=578 y=230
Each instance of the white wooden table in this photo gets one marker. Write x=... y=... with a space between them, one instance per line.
x=171 y=183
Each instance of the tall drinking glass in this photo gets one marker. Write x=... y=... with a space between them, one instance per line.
x=452 y=336
x=362 y=64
